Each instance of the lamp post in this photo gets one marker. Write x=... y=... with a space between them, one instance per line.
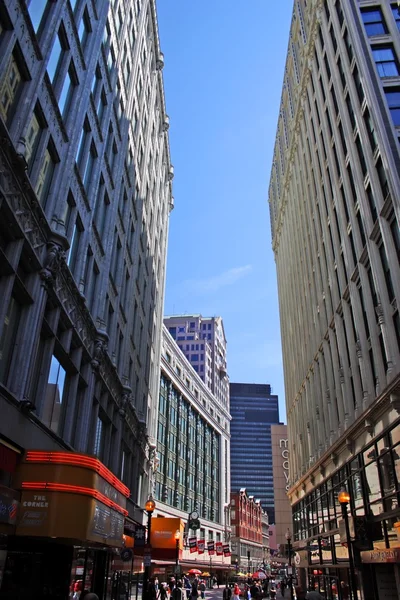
x=248 y=562
x=177 y=540
x=288 y=536
x=344 y=499
x=149 y=507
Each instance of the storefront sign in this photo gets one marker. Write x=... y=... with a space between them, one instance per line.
x=210 y=548
x=283 y=445
x=163 y=531
x=72 y=496
x=219 y=548
x=387 y=555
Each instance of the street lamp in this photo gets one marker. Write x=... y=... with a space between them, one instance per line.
x=344 y=499
x=149 y=507
x=177 y=540
x=288 y=537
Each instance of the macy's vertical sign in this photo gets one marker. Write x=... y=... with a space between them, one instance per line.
x=285 y=455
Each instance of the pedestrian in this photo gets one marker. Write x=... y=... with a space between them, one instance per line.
x=283 y=587
x=227 y=593
x=314 y=595
x=163 y=594
x=188 y=586
x=177 y=592
x=345 y=590
x=152 y=591
x=300 y=593
x=236 y=592
x=194 y=592
x=202 y=588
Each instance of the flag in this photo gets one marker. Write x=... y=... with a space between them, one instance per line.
x=226 y=550
x=192 y=545
x=210 y=548
x=219 y=549
x=200 y=546
x=140 y=536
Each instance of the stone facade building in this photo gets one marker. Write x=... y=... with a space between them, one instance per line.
x=335 y=216
x=193 y=440
x=85 y=197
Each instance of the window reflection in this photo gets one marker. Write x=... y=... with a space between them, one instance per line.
x=54 y=395
x=372 y=481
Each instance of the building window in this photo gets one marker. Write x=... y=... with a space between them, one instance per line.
x=8 y=335
x=54 y=394
x=373 y=21
x=393 y=100
x=32 y=138
x=84 y=28
x=36 y=11
x=67 y=90
x=45 y=175
x=10 y=89
x=74 y=247
x=385 y=61
x=99 y=438
x=396 y=14
x=55 y=57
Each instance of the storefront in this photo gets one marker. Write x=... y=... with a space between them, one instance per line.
x=372 y=478
x=70 y=524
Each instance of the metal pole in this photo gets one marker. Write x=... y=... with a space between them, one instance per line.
x=176 y=560
x=353 y=583
x=290 y=566
x=147 y=567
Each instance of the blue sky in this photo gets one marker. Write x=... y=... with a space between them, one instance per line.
x=224 y=64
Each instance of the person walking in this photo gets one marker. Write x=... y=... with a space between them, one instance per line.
x=188 y=586
x=202 y=588
x=283 y=587
x=227 y=593
x=194 y=592
x=236 y=592
x=177 y=592
x=300 y=593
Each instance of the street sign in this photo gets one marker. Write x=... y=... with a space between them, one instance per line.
x=147 y=556
x=289 y=570
x=147 y=560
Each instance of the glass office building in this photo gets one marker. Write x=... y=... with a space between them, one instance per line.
x=253 y=410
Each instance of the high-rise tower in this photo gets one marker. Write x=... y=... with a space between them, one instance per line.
x=253 y=409
x=335 y=216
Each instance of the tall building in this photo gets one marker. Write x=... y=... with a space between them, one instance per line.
x=334 y=190
x=85 y=196
x=193 y=473
x=202 y=340
x=253 y=410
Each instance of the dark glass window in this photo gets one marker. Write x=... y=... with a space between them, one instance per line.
x=54 y=395
x=393 y=100
x=10 y=89
x=385 y=61
x=373 y=21
x=396 y=14
x=8 y=335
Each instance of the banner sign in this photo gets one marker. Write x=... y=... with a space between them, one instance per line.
x=210 y=547
x=226 y=550
x=140 y=536
x=192 y=545
x=219 y=548
x=200 y=546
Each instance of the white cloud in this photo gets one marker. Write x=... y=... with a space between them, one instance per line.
x=216 y=282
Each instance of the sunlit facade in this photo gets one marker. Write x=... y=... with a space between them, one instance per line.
x=334 y=209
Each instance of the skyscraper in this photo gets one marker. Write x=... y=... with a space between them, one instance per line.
x=253 y=410
x=202 y=340
x=334 y=209
x=85 y=197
